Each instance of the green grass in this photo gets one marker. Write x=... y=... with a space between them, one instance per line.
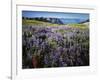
x=41 y=23
x=37 y=23
x=81 y=26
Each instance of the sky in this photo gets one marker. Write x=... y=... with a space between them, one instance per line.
x=32 y=14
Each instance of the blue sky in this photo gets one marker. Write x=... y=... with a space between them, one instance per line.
x=31 y=14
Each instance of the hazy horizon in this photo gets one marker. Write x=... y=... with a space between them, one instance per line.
x=65 y=17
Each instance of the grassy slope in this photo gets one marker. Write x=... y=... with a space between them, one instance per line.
x=38 y=23
x=81 y=26
x=41 y=23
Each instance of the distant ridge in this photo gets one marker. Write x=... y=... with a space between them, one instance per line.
x=85 y=21
x=57 y=20
x=44 y=19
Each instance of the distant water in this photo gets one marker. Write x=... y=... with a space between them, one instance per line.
x=67 y=21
